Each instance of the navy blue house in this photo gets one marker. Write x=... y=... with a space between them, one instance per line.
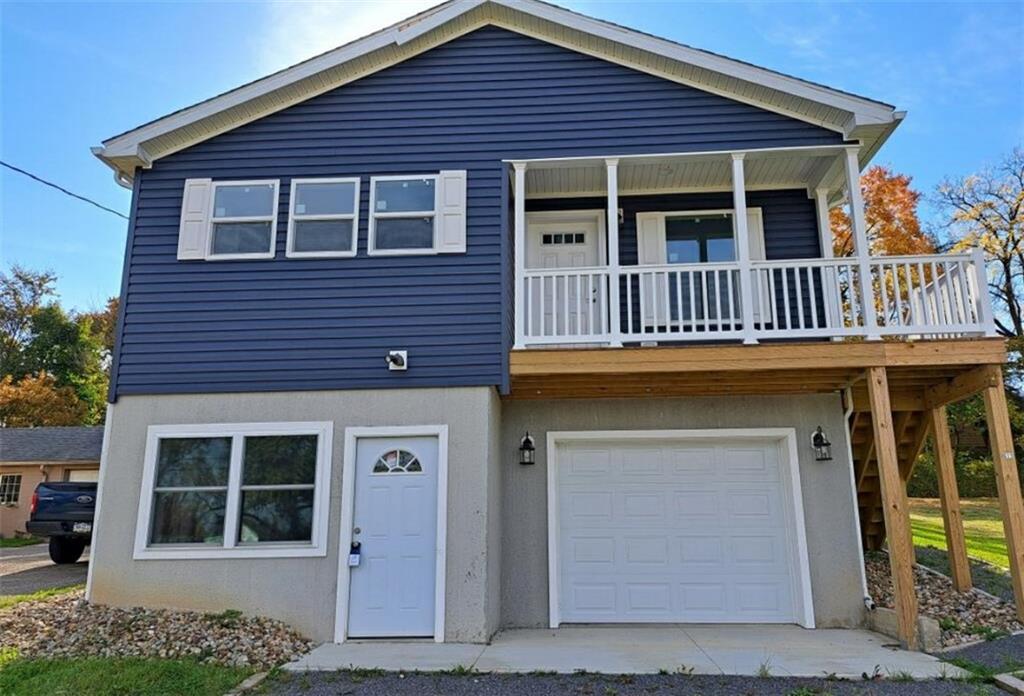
x=508 y=317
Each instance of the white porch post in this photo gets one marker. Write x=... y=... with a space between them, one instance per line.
x=824 y=225
x=739 y=205
x=519 y=253
x=614 y=306
x=860 y=243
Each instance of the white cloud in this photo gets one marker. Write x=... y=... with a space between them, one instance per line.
x=300 y=29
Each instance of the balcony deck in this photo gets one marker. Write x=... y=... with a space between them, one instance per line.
x=769 y=368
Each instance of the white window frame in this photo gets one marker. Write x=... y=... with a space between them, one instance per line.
x=272 y=219
x=294 y=217
x=371 y=243
x=230 y=547
x=15 y=489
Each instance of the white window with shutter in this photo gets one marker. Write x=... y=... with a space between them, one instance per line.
x=222 y=220
x=419 y=214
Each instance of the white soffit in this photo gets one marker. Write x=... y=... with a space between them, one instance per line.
x=855 y=117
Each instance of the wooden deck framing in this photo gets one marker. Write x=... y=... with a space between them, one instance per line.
x=898 y=392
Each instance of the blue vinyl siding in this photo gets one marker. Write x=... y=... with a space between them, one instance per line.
x=295 y=324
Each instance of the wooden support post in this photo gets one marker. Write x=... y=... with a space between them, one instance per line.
x=949 y=499
x=1007 y=484
x=894 y=508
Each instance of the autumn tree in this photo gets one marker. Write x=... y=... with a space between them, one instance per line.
x=36 y=400
x=987 y=210
x=890 y=211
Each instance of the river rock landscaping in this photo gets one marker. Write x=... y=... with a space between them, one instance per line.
x=68 y=626
x=964 y=617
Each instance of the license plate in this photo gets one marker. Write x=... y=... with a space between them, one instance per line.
x=81 y=527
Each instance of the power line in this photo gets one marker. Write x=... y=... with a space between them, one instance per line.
x=63 y=190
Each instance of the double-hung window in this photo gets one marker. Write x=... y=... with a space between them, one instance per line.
x=234 y=491
x=243 y=219
x=10 y=489
x=323 y=218
x=403 y=214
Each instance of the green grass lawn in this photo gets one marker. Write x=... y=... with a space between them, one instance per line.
x=983 y=528
x=8 y=601
x=114 y=677
x=15 y=542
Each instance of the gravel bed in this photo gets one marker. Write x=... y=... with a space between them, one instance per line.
x=418 y=684
x=1005 y=654
x=68 y=626
x=963 y=616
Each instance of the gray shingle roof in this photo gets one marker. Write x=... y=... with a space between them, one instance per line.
x=50 y=444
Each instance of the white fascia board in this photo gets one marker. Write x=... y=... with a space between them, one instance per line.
x=863 y=111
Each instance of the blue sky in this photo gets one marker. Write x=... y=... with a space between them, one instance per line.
x=72 y=74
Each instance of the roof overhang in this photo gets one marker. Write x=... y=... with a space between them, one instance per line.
x=856 y=118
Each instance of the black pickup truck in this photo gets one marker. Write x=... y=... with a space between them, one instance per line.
x=63 y=512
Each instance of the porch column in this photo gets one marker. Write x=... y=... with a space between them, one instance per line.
x=1007 y=484
x=614 y=306
x=739 y=209
x=894 y=508
x=949 y=500
x=824 y=224
x=860 y=243
x=519 y=253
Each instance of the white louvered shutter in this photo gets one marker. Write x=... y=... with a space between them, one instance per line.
x=451 y=214
x=194 y=231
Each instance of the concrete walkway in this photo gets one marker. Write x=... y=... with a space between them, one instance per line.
x=732 y=649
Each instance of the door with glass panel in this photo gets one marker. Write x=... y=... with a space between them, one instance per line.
x=391 y=589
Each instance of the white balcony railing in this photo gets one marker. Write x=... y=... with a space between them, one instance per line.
x=917 y=296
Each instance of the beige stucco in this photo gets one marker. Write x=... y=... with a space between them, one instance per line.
x=301 y=591
x=832 y=539
x=14 y=516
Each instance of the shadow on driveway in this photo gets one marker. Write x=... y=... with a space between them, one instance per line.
x=29 y=569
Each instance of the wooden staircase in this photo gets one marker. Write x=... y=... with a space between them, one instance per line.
x=910 y=429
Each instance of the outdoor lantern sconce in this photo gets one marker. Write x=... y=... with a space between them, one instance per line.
x=527 y=450
x=822 y=447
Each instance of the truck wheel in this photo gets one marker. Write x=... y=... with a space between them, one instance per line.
x=66 y=549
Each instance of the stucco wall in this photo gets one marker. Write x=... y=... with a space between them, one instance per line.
x=301 y=591
x=832 y=537
x=13 y=517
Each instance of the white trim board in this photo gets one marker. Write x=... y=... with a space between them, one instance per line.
x=98 y=511
x=787 y=442
x=317 y=546
x=348 y=482
x=774 y=91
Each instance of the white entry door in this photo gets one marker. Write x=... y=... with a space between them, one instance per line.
x=698 y=531
x=391 y=591
x=567 y=304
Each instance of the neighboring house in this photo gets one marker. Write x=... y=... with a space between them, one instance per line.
x=352 y=288
x=29 y=456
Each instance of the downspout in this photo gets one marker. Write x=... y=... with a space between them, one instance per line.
x=847 y=396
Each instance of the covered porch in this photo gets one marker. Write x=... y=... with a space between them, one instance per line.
x=594 y=269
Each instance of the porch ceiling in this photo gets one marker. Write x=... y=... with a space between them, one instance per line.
x=780 y=368
x=673 y=173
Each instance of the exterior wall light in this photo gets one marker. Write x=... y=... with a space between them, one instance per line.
x=527 y=450
x=822 y=447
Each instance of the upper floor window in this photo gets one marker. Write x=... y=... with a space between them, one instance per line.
x=243 y=219
x=403 y=211
x=324 y=217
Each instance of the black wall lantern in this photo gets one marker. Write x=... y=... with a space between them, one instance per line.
x=822 y=447
x=527 y=450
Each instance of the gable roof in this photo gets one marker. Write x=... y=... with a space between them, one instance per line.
x=856 y=117
x=50 y=444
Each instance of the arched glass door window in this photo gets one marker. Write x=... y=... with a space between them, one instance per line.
x=397 y=461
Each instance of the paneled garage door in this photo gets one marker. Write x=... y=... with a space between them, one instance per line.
x=678 y=530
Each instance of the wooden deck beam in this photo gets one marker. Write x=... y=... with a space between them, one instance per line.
x=894 y=509
x=1007 y=484
x=949 y=500
x=962 y=386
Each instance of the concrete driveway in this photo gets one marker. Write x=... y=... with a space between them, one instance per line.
x=29 y=569
x=788 y=651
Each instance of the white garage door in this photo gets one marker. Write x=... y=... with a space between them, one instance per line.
x=678 y=530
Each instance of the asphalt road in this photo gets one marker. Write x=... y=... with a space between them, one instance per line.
x=28 y=568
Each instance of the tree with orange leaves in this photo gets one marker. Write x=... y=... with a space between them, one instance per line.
x=890 y=210
x=36 y=400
